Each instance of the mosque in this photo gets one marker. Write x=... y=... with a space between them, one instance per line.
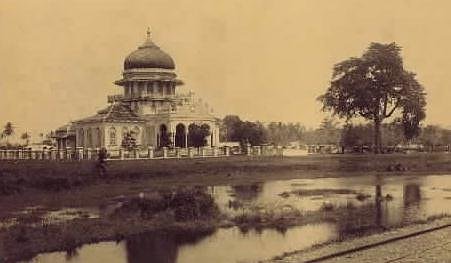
x=150 y=108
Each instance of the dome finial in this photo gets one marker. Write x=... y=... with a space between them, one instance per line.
x=148 y=33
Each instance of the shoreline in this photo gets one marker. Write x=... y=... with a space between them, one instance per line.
x=341 y=248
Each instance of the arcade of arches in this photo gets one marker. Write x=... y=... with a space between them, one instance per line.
x=177 y=135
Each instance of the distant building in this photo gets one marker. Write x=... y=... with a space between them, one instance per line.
x=150 y=109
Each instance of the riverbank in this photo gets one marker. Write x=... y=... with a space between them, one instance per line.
x=388 y=246
x=43 y=175
x=59 y=184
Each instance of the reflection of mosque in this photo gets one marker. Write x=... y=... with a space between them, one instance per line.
x=161 y=246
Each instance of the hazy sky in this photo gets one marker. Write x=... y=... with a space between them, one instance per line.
x=262 y=60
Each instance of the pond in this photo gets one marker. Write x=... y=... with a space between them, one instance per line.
x=355 y=205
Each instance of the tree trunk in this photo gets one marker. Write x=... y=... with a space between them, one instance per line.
x=377 y=136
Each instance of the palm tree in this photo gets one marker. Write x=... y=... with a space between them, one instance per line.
x=26 y=137
x=8 y=130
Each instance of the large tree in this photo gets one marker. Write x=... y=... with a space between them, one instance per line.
x=375 y=86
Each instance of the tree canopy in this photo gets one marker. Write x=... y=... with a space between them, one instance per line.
x=375 y=86
x=26 y=137
x=234 y=129
x=197 y=135
x=8 y=130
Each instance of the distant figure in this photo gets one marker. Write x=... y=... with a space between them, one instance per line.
x=102 y=161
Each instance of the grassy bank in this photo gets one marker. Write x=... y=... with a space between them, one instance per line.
x=75 y=184
x=17 y=176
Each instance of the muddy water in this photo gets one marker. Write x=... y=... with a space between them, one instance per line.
x=355 y=204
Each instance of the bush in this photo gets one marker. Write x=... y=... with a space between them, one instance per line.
x=185 y=204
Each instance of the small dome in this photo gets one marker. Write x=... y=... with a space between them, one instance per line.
x=149 y=55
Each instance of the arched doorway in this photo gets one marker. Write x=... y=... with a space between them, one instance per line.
x=136 y=134
x=113 y=136
x=180 y=136
x=164 y=138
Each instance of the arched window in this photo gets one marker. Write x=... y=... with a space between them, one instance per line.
x=89 y=137
x=81 y=138
x=124 y=131
x=135 y=133
x=98 y=137
x=112 y=134
x=180 y=135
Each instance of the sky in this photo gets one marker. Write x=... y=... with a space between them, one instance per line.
x=262 y=60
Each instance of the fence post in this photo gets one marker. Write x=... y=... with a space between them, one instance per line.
x=259 y=150
x=89 y=153
x=150 y=152
x=165 y=152
x=177 y=152
x=202 y=151
x=190 y=152
x=68 y=153
x=79 y=151
x=135 y=153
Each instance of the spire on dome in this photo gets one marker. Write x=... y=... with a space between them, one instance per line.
x=148 y=33
x=148 y=42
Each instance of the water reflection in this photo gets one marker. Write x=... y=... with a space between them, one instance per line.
x=160 y=247
x=385 y=201
x=247 y=192
x=222 y=246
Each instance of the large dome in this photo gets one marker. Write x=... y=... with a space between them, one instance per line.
x=149 y=55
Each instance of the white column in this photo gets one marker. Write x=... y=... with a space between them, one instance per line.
x=144 y=89
x=135 y=89
x=155 y=88
x=186 y=137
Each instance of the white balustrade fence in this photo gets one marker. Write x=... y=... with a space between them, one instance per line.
x=80 y=153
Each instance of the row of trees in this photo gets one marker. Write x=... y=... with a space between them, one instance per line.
x=9 y=130
x=329 y=132
x=375 y=87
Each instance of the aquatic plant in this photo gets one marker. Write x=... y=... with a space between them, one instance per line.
x=184 y=204
x=362 y=197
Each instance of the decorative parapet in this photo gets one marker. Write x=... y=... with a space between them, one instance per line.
x=115 y=98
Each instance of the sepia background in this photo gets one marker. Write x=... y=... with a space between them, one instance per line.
x=262 y=60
